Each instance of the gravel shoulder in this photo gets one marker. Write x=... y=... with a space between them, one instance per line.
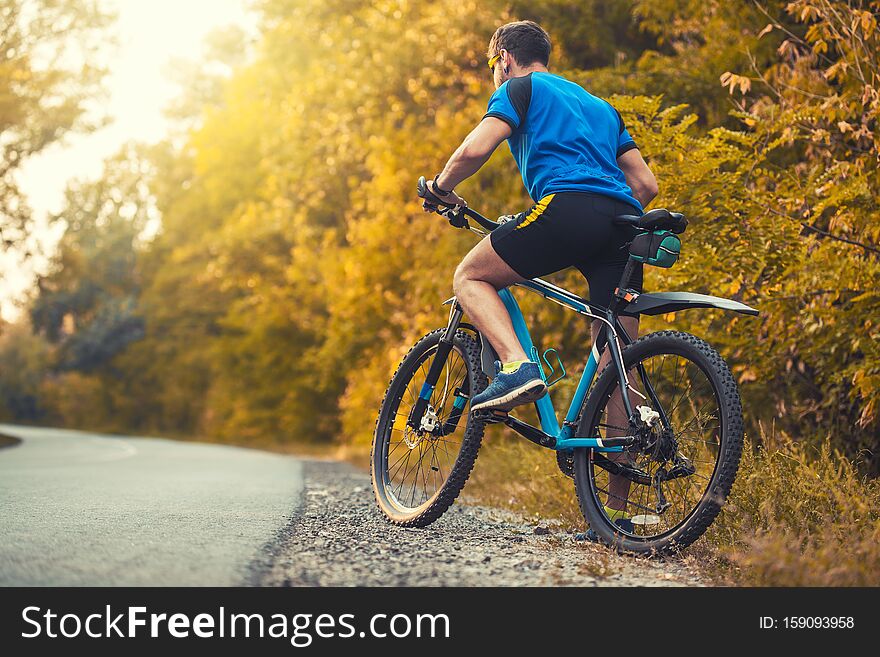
x=339 y=538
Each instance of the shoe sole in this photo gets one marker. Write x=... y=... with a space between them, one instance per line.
x=528 y=392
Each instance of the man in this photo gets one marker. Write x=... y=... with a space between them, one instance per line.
x=581 y=167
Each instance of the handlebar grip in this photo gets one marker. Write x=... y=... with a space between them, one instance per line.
x=426 y=194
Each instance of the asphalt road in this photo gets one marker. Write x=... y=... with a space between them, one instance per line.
x=84 y=509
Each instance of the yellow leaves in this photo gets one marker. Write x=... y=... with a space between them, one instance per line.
x=865 y=297
x=820 y=136
x=837 y=70
x=808 y=11
x=866 y=21
x=787 y=47
x=767 y=29
x=732 y=80
x=747 y=375
x=868 y=384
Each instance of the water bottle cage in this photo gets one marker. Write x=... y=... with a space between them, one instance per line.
x=548 y=378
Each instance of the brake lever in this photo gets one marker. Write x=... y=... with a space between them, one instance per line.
x=457 y=219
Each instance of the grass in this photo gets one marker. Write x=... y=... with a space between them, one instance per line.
x=799 y=514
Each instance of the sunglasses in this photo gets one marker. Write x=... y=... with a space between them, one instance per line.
x=493 y=61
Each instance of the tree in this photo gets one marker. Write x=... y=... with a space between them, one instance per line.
x=294 y=265
x=86 y=303
x=24 y=359
x=48 y=75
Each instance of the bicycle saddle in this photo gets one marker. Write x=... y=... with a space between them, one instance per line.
x=659 y=219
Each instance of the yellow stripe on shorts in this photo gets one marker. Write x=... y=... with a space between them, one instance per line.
x=537 y=211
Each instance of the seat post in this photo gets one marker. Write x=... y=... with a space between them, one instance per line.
x=624 y=282
x=627 y=273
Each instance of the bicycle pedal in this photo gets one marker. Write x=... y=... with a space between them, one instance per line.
x=489 y=416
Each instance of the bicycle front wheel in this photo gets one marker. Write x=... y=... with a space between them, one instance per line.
x=418 y=471
x=662 y=493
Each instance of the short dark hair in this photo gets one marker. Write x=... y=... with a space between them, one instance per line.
x=525 y=40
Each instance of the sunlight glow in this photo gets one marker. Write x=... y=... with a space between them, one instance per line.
x=150 y=34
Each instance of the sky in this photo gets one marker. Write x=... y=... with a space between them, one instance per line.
x=150 y=33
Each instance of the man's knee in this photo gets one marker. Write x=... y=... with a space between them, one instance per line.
x=460 y=278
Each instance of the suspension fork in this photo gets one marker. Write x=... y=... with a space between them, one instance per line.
x=418 y=410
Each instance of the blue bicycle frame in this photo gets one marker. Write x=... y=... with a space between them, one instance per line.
x=544 y=406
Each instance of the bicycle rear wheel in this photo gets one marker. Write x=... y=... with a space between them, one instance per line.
x=417 y=472
x=672 y=484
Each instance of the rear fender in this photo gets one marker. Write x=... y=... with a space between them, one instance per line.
x=659 y=303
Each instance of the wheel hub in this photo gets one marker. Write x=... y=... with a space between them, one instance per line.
x=427 y=425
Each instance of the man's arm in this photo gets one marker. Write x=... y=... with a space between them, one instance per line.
x=638 y=176
x=476 y=148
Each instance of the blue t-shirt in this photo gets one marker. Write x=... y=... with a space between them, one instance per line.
x=564 y=138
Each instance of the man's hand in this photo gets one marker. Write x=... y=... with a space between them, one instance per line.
x=452 y=199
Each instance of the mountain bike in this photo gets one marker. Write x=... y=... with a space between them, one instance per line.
x=657 y=436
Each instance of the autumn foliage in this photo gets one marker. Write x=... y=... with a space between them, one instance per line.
x=293 y=266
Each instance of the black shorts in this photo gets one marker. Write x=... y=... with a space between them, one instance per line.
x=572 y=229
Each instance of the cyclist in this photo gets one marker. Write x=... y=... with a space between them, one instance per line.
x=581 y=166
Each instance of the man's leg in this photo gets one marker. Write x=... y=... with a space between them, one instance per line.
x=618 y=487
x=477 y=280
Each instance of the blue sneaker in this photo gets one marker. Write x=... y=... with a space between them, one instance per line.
x=521 y=386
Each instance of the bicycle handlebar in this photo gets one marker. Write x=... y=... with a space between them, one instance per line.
x=450 y=212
